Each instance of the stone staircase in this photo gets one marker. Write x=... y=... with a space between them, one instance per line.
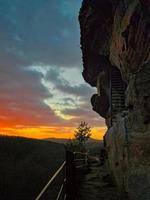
x=117 y=94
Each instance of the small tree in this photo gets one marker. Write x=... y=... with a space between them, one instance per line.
x=83 y=132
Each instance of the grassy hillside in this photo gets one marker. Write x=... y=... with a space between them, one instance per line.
x=26 y=165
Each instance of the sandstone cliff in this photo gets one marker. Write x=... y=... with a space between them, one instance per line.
x=115 y=42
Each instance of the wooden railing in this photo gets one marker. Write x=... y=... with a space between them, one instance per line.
x=69 y=186
x=51 y=181
x=75 y=161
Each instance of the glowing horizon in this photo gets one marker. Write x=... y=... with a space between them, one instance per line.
x=50 y=132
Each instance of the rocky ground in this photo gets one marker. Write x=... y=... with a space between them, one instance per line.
x=97 y=184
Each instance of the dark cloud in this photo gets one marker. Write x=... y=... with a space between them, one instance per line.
x=41 y=31
x=54 y=76
x=21 y=99
x=85 y=113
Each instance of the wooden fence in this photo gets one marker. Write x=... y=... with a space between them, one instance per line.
x=68 y=189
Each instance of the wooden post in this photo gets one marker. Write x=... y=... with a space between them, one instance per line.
x=70 y=176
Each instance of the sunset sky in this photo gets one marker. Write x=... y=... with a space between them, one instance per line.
x=42 y=92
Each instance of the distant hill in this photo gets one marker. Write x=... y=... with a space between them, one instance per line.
x=92 y=145
x=26 y=165
x=57 y=140
x=63 y=140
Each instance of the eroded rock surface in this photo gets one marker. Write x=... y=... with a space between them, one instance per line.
x=115 y=35
x=97 y=184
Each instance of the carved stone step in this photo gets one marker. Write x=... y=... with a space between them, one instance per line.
x=114 y=96
x=116 y=79
x=116 y=110
x=120 y=91
x=118 y=106
x=118 y=95
x=121 y=87
x=117 y=91
x=117 y=98
x=118 y=86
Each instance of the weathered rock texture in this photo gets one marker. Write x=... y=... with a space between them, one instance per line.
x=115 y=41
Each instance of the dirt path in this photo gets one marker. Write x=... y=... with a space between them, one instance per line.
x=96 y=184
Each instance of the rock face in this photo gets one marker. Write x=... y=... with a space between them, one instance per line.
x=115 y=42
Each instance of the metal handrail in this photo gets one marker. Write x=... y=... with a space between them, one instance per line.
x=61 y=189
x=60 y=192
x=50 y=181
x=64 y=181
